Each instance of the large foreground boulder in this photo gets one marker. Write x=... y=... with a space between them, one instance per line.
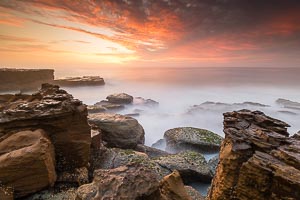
x=125 y=182
x=257 y=159
x=189 y=138
x=27 y=162
x=55 y=111
x=120 y=98
x=118 y=130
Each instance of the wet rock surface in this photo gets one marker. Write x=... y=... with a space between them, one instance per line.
x=258 y=159
x=191 y=166
x=150 y=151
x=118 y=130
x=189 y=138
x=79 y=81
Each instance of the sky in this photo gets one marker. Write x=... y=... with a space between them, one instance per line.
x=150 y=33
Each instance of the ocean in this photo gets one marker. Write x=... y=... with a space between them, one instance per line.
x=182 y=93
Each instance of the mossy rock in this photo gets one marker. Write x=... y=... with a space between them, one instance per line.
x=195 y=139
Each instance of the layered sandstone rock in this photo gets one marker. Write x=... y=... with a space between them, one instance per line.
x=257 y=160
x=189 y=138
x=24 y=79
x=55 y=111
x=80 y=81
x=171 y=187
x=27 y=162
x=118 y=130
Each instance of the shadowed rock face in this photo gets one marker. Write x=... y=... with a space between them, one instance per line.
x=24 y=79
x=257 y=159
x=55 y=111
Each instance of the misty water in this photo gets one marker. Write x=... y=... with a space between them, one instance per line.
x=177 y=90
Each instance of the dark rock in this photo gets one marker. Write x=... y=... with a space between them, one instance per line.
x=257 y=159
x=191 y=166
x=24 y=79
x=80 y=81
x=118 y=130
x=150 y=151
x=189 y=138
x=120 y=98
x=27 y=162
x=194 y=194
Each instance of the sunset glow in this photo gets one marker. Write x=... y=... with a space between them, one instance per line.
x=142 y=33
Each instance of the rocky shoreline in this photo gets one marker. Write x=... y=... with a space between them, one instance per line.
x=52 y=148
x=31 y=79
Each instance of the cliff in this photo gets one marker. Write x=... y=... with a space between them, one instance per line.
x=258 y=159
x=24 y=79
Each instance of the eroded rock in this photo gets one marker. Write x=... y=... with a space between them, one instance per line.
x=257 y=159
x=61 y=116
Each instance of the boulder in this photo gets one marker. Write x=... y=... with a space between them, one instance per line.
x=61 y=116
x=120 y=98
x=125 y=182
x=150 y=151
x=192 y=166
x=172 y=187
x=194 y=139
x=118 y=130
x=80 y=81
x=258 y=159
x=109 y=158
x=27 y=162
